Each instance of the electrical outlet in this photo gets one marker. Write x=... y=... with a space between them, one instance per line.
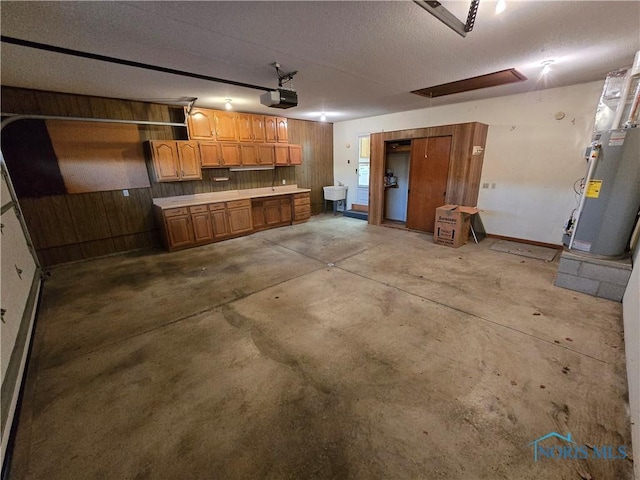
x=125 y=193
x=493 y=186
x=485 y=185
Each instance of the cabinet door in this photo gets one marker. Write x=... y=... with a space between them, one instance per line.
x=283 y=134
x=225 y=126
x=244 y=127
x=270 y=129
x=266 y=154
x=179 y=231
x=257 y=212
x=165 y=161
x=249 y=155
x=282 y=155
x=219 y=221
x=295 y=155
x=272 y=211
x=201 y=221
x=285 y=210
x=189 y=156
x=230 y=154
x=200 y=125
x=239 y=214
x=210 y=154
x=257 y=128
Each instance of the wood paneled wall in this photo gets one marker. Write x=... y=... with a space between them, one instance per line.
x=72 y=227
x=464 y=168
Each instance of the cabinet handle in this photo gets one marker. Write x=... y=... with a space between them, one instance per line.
x=18 y=271
x=177 y=173
x=2 y=312
x=182 y=172
x=1 y=227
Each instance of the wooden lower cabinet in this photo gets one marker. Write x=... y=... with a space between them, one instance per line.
x=201 y=221
x=239 y=213
x=301 y=207
x=271 y=212
x=186 y=227
x=178 y=228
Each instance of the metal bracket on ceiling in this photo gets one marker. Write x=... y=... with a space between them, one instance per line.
x=190 y=105
x=436 y=9
x=283 y=77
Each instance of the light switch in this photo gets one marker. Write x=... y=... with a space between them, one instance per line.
x=485 y=185
x=125 y=193
x=493 y=186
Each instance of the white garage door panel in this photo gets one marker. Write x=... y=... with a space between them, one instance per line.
x=5 y=196
x=14 y=288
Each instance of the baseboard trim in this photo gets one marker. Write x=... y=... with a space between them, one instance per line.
x=528 y=242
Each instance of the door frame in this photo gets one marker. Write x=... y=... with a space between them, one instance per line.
x=465 y=168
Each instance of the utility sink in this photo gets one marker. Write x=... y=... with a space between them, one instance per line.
x=335 y=193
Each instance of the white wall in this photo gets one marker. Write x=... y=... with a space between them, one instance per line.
x=532 y=158
x=631 y=314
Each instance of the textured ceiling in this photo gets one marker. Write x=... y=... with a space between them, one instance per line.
x=354 y=59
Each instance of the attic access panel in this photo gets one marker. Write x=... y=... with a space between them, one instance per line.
x=503 y=77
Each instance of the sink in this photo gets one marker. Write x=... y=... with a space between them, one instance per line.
x=335 y=193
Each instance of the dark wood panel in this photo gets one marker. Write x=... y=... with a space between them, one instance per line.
x=89 y=216
x=128 y=215
x=49 y=221
x=136 y=241
x=62 y=254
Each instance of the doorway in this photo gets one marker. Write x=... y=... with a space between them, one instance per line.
x=429 y=170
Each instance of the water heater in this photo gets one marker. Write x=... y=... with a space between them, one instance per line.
x=610 y=201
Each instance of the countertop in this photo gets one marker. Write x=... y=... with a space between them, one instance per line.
x=226 y=196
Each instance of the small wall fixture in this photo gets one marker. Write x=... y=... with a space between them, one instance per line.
x=546 y=66
x=227 y=104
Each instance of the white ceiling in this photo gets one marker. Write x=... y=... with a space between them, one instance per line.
x=354 y=59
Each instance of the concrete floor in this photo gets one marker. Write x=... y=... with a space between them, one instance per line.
x=331 y=349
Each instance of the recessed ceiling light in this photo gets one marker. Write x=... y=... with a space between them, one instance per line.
x=323 y=118
x=501 y=5
x=227 y=104
x=546 y=66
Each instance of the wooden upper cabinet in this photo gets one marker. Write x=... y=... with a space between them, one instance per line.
x=200 y=124
x=210 y=154
x=175 y=160
x=244 y=127
x=230 y=154
x=189 y=159
x=283 y=134
x=266 y=154
x=249 y=155
x=257 y=128
x=225 y=126
x=270 y=129
x=165 y=160
x=295 y=155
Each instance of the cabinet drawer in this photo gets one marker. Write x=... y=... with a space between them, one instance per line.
x=302 y=201
x=302 y=211
x=199 y=209
x=217 y=206
x=239 y=203
x=174 y=212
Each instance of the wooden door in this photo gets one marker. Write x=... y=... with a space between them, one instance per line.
x=210 y=155
x=179 y=231
x=257 y=212
x=283 y=134
x=249 y=155
x=230 y=154
x=266 y=154
x=201 y=221
x=244 y=126
x=219 y=220
x=225 y=126
x=200 y=125
x=428 y=171
x=240 y=219
x=272 y=211
x=285 y=210
x=270 y=129
x=257 y=128
x=165 y=161
x=282 y=155
x=189 y=156
x=295 y=155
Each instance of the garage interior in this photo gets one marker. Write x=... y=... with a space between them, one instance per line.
x=178 y=300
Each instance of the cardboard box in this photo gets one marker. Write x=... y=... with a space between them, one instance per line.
x=452 y=225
